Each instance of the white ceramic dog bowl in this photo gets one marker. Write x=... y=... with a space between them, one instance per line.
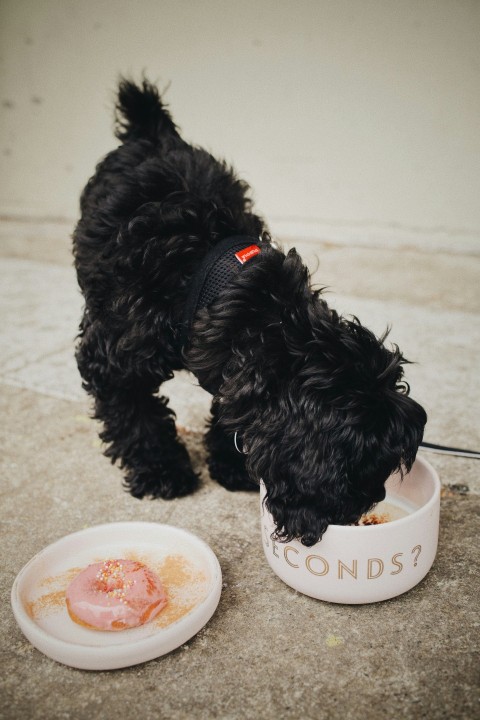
x=365 y=564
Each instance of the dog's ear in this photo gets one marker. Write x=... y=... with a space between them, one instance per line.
x=309 y=487
x=306 y=513
x=294 y=452
x=322 y=465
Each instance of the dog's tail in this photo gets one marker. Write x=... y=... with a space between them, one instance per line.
x=140 y=113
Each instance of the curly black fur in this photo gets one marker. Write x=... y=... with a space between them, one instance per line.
x=317 y=399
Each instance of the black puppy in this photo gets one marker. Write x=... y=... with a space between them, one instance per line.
x=178 y=272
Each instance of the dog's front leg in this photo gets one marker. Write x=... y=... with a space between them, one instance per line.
x=225 y=463
x=139 y=427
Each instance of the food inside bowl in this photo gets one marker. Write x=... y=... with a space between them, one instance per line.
x=386 y=511
x=373 y=519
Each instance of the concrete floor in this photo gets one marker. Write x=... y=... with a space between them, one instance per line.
x=268 y=652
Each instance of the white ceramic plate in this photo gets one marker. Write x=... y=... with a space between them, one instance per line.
x=186 y=565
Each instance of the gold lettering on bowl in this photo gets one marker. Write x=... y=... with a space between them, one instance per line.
x=285 y=555
x=308 y=563
x=418 y=550
x=353 y=571
x=370 y=574
x=275 y=548
x=397 y=564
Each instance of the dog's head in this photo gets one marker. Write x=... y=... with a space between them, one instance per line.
x=326 y=442
x=319 y=401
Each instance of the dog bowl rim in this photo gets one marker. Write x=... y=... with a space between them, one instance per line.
x=422 y=509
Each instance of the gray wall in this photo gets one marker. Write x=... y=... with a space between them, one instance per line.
x=354 y=120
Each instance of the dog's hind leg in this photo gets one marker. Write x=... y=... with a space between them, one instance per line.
x=225 y=463
x=139 y=427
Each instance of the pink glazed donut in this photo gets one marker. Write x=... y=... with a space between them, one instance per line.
x=115 y=595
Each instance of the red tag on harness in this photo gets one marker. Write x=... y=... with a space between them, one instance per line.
x=247 y=253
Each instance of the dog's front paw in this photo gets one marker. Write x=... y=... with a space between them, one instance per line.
x=231 y=473
x=160 y=482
